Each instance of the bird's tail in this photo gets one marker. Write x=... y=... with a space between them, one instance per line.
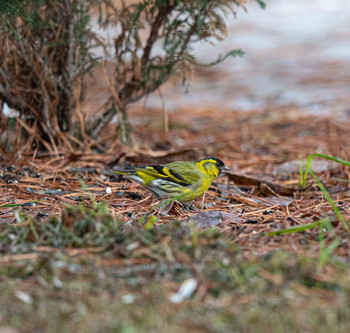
x=125 y=171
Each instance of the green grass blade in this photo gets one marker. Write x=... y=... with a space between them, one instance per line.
x=150 y=224
x=326 y=252
x=299 y=228
x=309 y=162
x=330 y=200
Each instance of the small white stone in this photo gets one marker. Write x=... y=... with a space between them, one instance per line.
x=9 y=112
x=24 y=297
x=186 y=290
x=133 y=246
x=57 y=282
x=128 y=298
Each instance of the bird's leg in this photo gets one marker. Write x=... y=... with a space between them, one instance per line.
x=203 y=200
x=164 y=209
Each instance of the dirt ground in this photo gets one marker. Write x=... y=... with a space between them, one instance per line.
x=265 y=147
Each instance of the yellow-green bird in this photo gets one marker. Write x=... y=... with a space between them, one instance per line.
x=185 y=180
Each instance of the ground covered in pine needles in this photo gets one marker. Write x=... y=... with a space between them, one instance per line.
x=83 y=251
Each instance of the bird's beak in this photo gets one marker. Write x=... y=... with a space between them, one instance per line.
x=224 y=170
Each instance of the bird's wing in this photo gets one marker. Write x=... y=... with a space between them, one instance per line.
x=184 y=177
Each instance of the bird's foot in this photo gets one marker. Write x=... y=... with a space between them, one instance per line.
x=189 y=206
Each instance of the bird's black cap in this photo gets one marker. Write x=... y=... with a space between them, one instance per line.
x=220 y=164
